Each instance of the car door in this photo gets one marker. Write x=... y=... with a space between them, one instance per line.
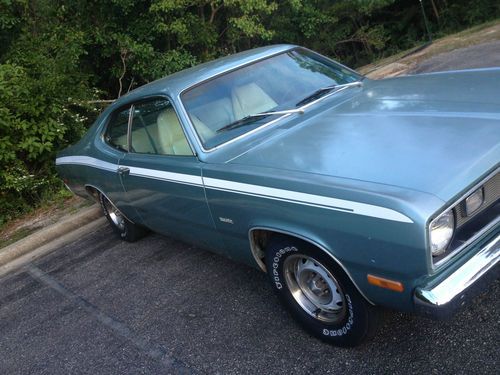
x=162 y=176
x=107 y=157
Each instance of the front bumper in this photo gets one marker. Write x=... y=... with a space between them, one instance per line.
x=442 y=299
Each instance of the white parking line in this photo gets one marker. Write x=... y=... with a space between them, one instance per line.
x=153 y=351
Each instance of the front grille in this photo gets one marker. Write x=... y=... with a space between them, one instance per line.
x=491 y=190
x=468 y=228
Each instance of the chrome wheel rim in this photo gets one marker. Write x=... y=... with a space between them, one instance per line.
x=115 y=215
x=314 y=288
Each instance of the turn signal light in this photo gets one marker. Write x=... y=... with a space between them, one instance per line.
x=474 y=201
x=385 y=283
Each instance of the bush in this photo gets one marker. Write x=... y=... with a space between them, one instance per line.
x=40 y=113
x=55 y=56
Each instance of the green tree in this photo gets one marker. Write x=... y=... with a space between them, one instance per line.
x=40 y=86
x=57 y=56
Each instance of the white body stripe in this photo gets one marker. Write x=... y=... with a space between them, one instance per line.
x=181 y=178
x=88 y=161
x=291 y=196
x=306 y=199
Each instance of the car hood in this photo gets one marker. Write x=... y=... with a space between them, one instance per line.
x=435 y=133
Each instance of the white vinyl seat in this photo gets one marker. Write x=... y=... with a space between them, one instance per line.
x=250 y=99
x=171 y=138
x=120 y=142
x=203 y=130
x=143 y=139
x=210 y=117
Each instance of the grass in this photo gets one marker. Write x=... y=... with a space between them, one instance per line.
x=16 y=236
x=51 y=209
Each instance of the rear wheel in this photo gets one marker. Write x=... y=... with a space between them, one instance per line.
x=123 y=227
x=318 y=293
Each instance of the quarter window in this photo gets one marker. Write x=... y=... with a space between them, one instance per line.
x=116 y=133
x=157 y=130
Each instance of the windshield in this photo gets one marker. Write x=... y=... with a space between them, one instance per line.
x=277 y=83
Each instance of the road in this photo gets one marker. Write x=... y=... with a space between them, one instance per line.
x=102 y=306
x=484 y=55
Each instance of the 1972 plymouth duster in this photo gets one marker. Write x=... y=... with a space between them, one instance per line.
x=350 y=193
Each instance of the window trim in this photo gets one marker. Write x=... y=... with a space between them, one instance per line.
x=107 y=124
x=131 y=106
x=129 y=128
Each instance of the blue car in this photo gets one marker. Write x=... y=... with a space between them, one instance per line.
x=352 y=194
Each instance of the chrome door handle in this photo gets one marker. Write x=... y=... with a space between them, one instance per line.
x=123 y=171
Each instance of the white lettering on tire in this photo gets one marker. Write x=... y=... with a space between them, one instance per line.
x=275 y=264
x=347 y=327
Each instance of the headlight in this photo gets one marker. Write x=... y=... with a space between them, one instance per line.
x=440 y=232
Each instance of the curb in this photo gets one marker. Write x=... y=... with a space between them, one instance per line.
x=55 y=235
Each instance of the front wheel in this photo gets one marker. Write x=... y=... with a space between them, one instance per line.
x=318 y=293
x=123 y=227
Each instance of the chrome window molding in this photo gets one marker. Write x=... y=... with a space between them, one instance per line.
x=131 y=105
x=458 y=250
x=106 y=121
x=129 y=129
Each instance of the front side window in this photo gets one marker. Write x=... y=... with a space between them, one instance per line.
x=156 y=129
x=116 y=132
x=281 y=82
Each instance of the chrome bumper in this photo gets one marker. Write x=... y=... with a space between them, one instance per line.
x=440 y=300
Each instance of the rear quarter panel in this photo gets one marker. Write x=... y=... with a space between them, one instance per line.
x=106 y=180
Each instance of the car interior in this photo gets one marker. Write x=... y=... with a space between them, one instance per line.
x=244 y=100
x=156 y=128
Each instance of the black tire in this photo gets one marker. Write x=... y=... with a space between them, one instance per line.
x=340 y=317
x=123 y=227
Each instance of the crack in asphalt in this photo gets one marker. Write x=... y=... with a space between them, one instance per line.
x=155 y=352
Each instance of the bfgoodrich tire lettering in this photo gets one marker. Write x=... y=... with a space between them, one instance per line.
x=123 y=227
x=318 y=293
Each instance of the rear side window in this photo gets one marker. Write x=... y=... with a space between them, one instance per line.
x=116 y=133
x=156 y=129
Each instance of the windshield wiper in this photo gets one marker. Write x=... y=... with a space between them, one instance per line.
x=324 y=90
x=247 y=120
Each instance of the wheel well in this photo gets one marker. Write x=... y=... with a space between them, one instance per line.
x=260 y=237
x=95 y=193
x=92 y=192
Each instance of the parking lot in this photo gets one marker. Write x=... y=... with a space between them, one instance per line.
x=159 y=306
x=102 y=306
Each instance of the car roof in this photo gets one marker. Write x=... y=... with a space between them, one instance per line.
x=177 y=82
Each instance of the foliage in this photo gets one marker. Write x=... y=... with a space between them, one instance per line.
x=40 y=82
x=56 y=56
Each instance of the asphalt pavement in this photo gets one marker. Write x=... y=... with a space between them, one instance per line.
x=102 y=306
x=485 y=55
